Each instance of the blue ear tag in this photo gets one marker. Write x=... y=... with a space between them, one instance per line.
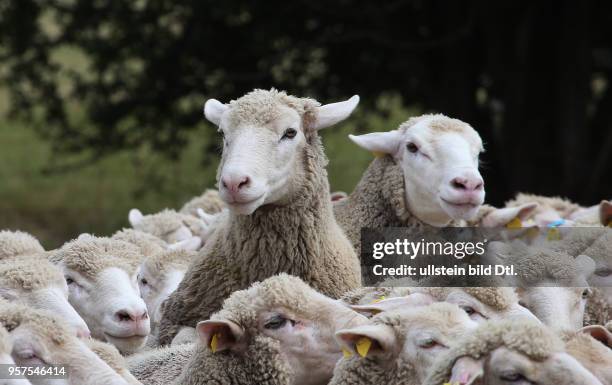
x=557 y=223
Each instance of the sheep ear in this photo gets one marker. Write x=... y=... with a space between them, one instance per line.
x=378 y=142
x=135 y=217
x=467 y=371
x=338 y=196
x=213 y=110
x=367 y=340
x=204 y=216
x=600 y=333
x=412 y=300
x=330 y=114
x=190 y=244
x=605 y=213
x=503 y=217
x=585 y=266
x=219 y=335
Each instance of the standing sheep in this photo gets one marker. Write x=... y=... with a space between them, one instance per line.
x=506 y=352
x=277 y=332
x=272 y=176
x=402 y=345
x=102 y=282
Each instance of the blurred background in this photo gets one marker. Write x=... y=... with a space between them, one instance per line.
x=101 y=101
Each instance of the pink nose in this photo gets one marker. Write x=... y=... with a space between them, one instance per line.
x=131 y=316
x=467 y=184
x=234 y=183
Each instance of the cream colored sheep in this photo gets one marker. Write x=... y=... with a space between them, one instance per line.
x=13 y=243
x=279 y=331
x=280 y=212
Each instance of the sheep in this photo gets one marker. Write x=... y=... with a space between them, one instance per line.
x=209 y=202
x=398 y=347
x=13 y=243
x=480 y=303
x=425 y=173
x=6 y=347
x=278 y=331
x=111 y=356
x=503 y=352
x=101 y=274
x=171 y=227
x=552 y=284
x=280 y=215
x=40 y=338
x=32 y=280
x=159 y=275
x=591 y=352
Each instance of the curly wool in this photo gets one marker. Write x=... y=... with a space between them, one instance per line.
x=109 y=354
x=591 y=353
x=29 y=273
x=301 y=238
x=148 y=243
x=13 y=315
x=499 y=298
x=158 y=264
x=528 y=337
x=209 y=201
x=90 y=255
x=13 y=243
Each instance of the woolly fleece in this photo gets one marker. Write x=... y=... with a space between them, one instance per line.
x=301 y=238
x=165 y=222
x=209 y=201
x=29 y=273
x=13 y=243
x=148 y=243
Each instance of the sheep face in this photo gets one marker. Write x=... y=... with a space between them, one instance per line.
x=561 y=308
x=439 y=160
x=155 y=286
x=265 y=139
x=37 y=283
x=110 y=303
x=412 y=337
x=302 y=320
x=504 y=366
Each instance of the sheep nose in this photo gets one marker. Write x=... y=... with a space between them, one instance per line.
x=126 y=315
x=234 y=183
x=467 y=184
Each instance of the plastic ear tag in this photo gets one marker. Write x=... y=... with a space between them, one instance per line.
x=553 y=234
x=532 y=232
x=363 y=346
x=381 y=298
x=378 y=154
x=346 y=353
x=214 y=341
x=516 y=223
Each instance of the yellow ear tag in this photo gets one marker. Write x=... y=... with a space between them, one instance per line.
x=381 y=298
x=378 y=154
x=214 y=342
x=346 y=353
x=514 y=224
x=363 y=346
x=533 y=232
x=553 y=234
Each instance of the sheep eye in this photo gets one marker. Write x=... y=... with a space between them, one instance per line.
x=144 y=281
x=428 y=343
x=468 y=309
x=69 y=281
x=586 y=293
x=289 y=133
x=603 y=272
x=512 y=377
x=275 y=322
x=411 y=147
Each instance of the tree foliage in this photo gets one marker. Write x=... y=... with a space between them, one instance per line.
x=532 y=77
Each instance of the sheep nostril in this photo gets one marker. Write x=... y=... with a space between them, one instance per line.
x=123 y=316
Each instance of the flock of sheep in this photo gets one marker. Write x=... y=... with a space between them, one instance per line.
x=260 y=281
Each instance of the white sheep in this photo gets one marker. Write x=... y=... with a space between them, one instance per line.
x=425 y=173
x=279 y=331
x=591 y=347
x=102 y=282
x=32 y=280
x=509 y=352
x=6 y=348
x=39 y=338
x=398 y=347
x=280 y=215
x=172 y=227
